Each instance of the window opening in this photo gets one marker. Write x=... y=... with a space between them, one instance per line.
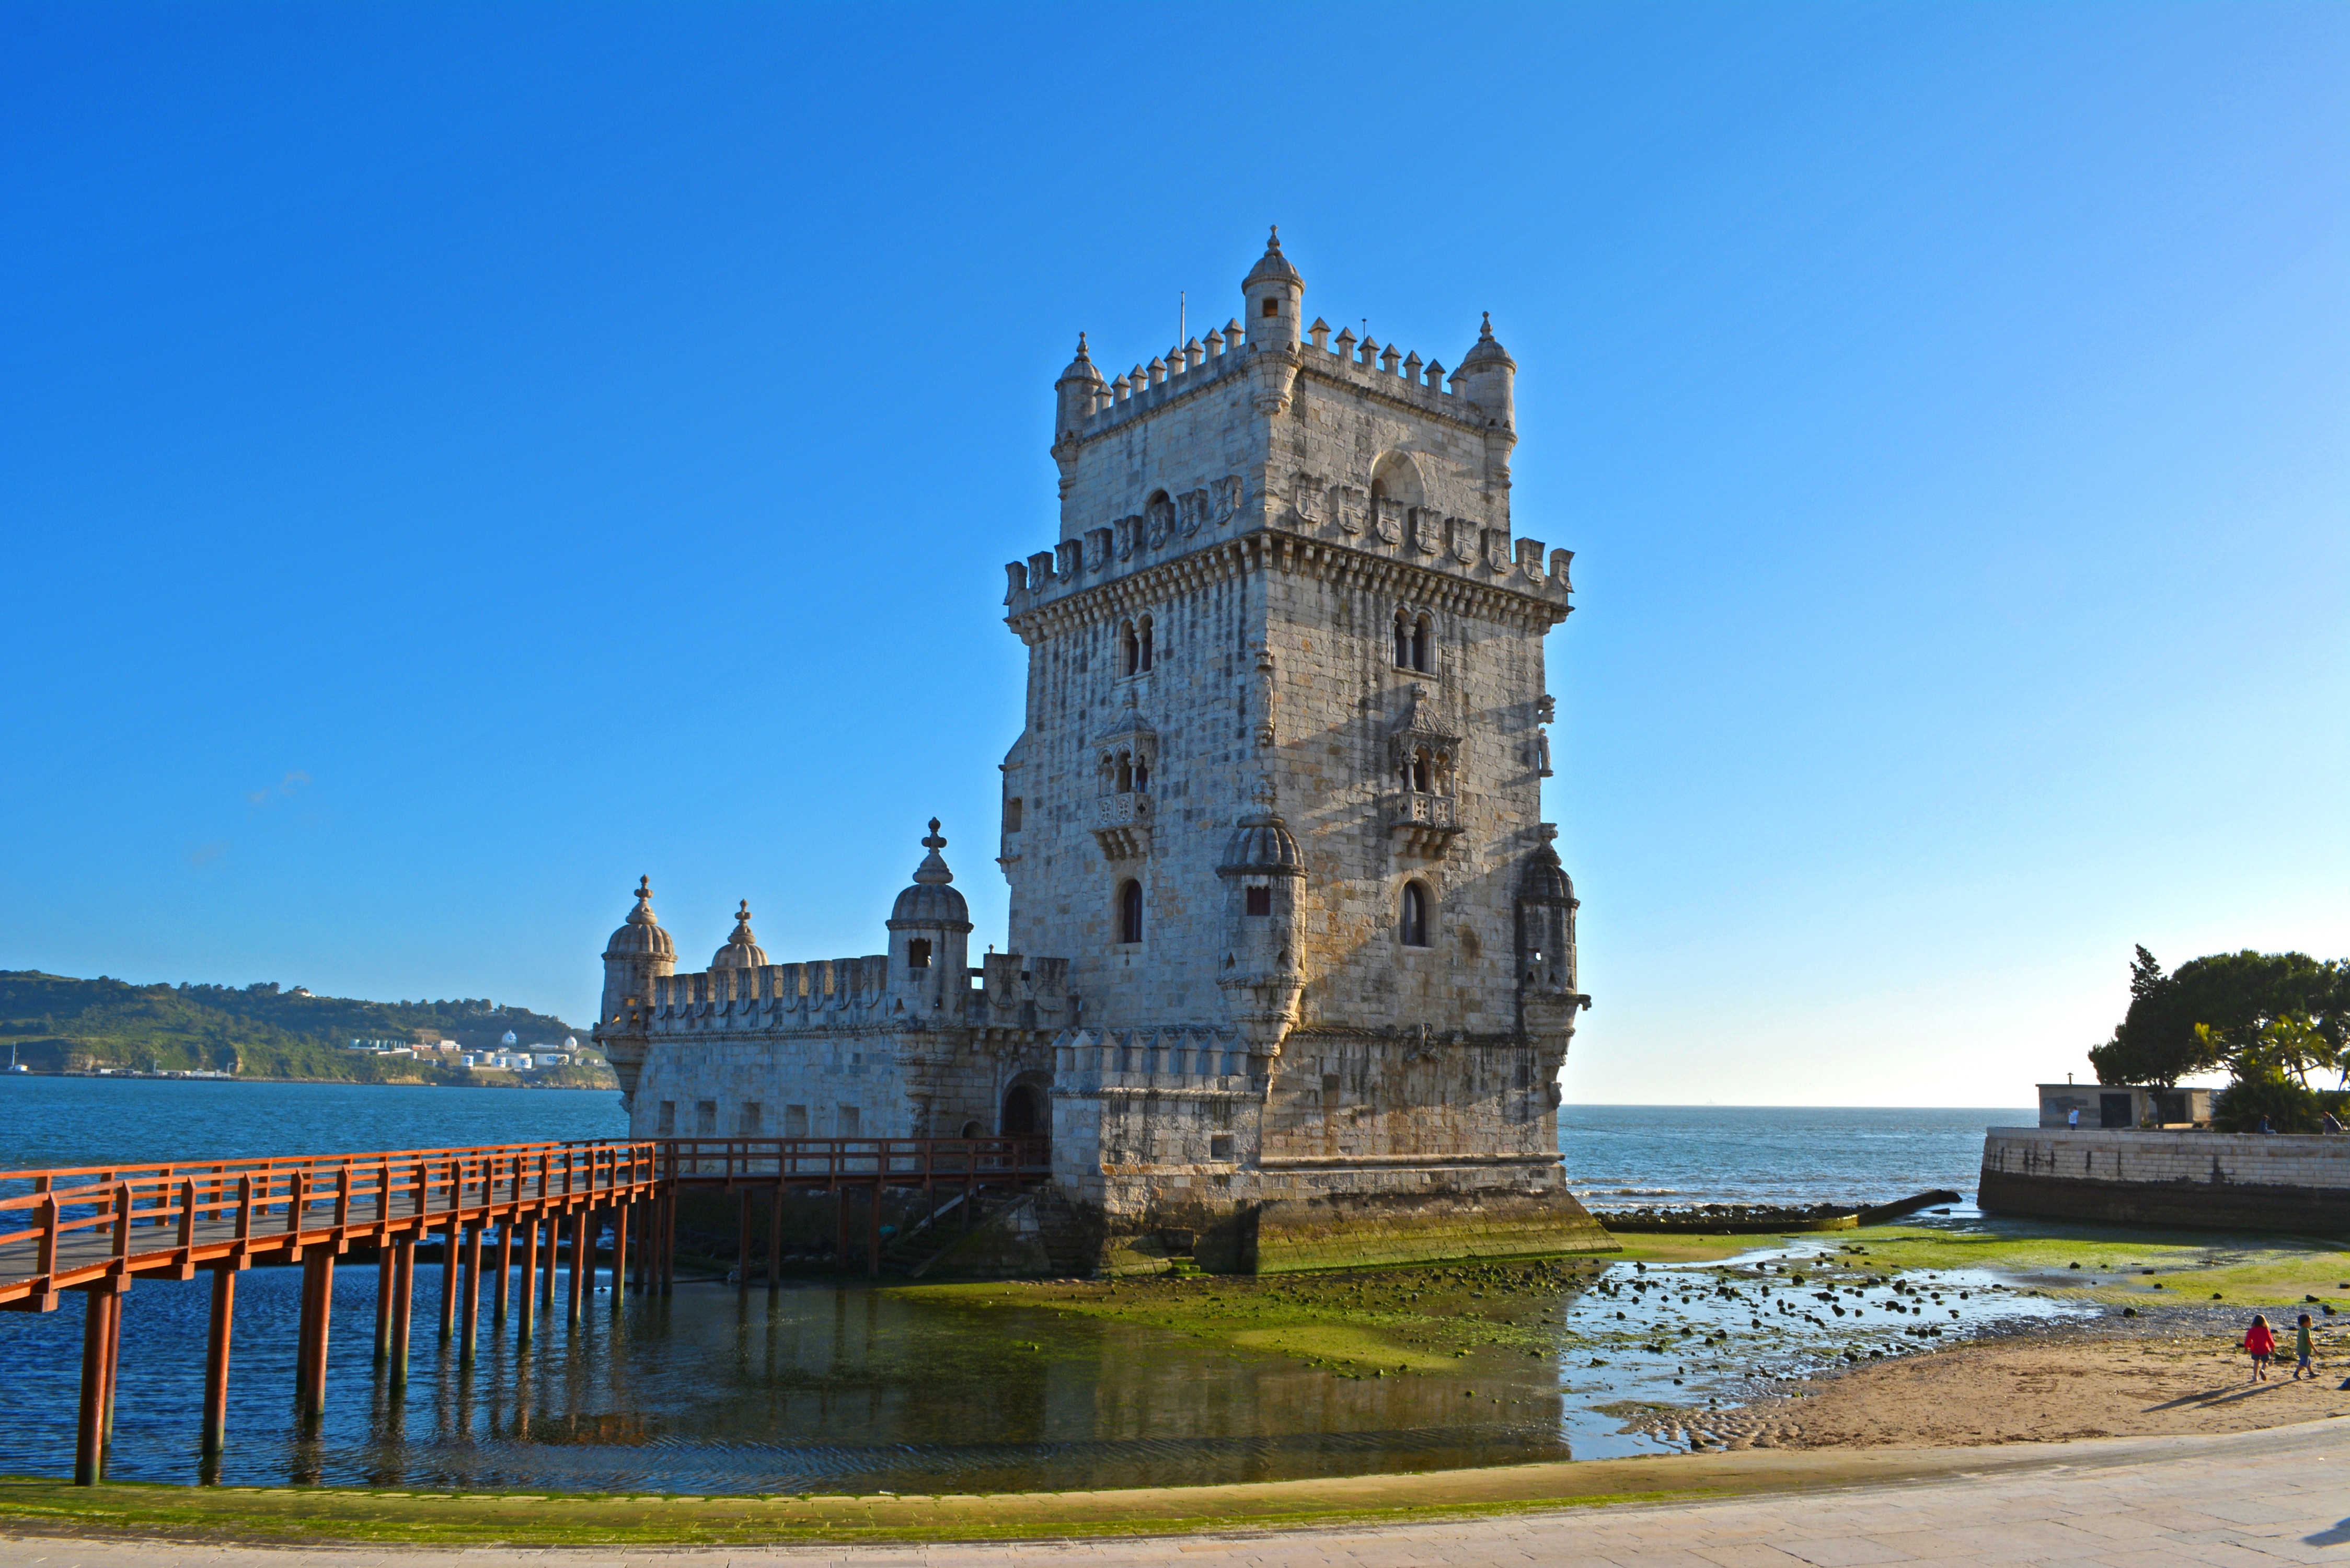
x=753 y=1115
x=1259 y=900
x=1273 y=308
x=1130 y=912
x=1422 y=773
x=668 y=1117
x=1419 y=641
x=1130 y=648
x=848 y=1120
x=1012 y=813
x=918 y=953
x=1143 y=651
x=796 y=1121
x=705 y=1118
x=1403 y=641
x=1415 y=915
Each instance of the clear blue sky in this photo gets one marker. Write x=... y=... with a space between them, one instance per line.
x=456 y=458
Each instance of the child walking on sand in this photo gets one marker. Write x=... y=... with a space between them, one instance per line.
x=2301 y=1350
x=2262 y=1344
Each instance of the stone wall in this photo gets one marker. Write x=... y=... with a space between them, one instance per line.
x=2233 y=1181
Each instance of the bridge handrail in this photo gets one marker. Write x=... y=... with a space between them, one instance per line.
x=252 y=1187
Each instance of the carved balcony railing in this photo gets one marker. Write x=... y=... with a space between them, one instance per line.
x=1122 y=824
x=1423 y=824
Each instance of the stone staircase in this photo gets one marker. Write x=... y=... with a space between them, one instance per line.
x=1071 y=1246
x=912 y=1251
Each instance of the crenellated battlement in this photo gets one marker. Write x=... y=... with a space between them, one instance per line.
x=1117 y=1061
x=800 y=992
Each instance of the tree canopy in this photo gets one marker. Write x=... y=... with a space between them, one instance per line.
x=2252 y=1012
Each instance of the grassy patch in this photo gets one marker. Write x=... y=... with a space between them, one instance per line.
x=2124 y=1264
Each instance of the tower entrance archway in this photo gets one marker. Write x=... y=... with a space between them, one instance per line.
x=1023 y=1112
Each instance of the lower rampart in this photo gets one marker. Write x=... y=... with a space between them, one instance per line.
x=2297 y=1183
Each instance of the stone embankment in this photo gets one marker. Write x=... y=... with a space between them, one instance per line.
x=1759 y=1219
x=2298 y=1183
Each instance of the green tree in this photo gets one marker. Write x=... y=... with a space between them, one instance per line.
x=2199 y=1017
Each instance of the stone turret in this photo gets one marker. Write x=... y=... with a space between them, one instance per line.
x=1275 y=292
x=930 y=939
x=1488 y=378
x=638 y=953
x=742 y=950
x=1547 y=997
x=1263 y=968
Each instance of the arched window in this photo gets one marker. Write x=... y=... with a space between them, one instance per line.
x=1422 y=773
x=1142 y=651
x=1125 y=772
x=918 y=953
x=1141 y=773
x=1415 y=915
x=1421 y=635
x=1130 y=912
x=1403 y=641
x=1130 y=650
x=1259 y=900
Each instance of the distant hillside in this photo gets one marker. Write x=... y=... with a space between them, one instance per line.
x=61 y=1024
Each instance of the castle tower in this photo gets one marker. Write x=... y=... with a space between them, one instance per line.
x=638 y=953
x=1287 y=571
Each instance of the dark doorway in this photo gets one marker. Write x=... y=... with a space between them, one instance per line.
x=2113 y=1110
x=1023 y=1112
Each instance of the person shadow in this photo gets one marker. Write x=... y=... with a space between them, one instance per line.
x=2337 y=1536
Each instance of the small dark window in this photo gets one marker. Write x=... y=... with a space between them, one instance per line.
x=1273 y=307
x=1143 y=651
x=1220 y=1146
x=1259 y=900
x=1130 y=648
x=1415 y=915
x=1130 y=912
x=1125 y=773
x=1419 y=641
x=918 y=953
x=1403 y=642
x=1012 y=809
x=1422 y=774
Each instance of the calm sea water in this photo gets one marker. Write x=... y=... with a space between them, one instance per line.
x=825 y=1387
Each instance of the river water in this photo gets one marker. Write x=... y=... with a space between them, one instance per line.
x=823 y=1387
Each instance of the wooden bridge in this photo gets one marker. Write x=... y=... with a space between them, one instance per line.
x=96 y=1229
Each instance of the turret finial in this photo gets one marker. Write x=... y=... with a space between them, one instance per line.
x=1487 y=330
x=934 y=841
x=1274 y=241
x=933 y=869
x=642 y=915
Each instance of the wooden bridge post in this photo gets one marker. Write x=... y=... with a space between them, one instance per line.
x=873 y=1232
x=505 y=1267
x=318 y=1311
x=669 y=1241
x=775 y=1229
x=306 y=1321
x=529 y=1279
x=216 y=1345
x=554 y=1246
x=583 y=1268
x=619 y=1251
x=449 y=1279
x=383 y=1301
x=743 y=1243
x=99 y=1307
x=473 y=1310
x=404 y=1300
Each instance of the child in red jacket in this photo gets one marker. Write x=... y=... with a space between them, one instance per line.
x=2262 y=1344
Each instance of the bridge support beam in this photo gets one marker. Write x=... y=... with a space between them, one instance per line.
x=216 y=1347
x=101 y=1343
x=317 y=1315
x=383 y=1268
x=449 y=1281
x=619 y=1251
x=873 y=1233
x=404 y=1300
x=583 y=1268
x=743 y=1244
x=554 y=1247
x=774 y=1236
x=528 y=1306
x=470 y=1314
x=505 y=1267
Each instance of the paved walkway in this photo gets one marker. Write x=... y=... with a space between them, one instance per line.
x=2243 y=1498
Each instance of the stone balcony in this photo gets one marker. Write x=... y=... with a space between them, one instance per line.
x=1422 y=823
x=1122 y=824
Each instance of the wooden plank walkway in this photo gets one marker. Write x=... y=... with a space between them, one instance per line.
x=98 y=1228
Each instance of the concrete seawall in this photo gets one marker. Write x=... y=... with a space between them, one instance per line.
x=2220 y=1182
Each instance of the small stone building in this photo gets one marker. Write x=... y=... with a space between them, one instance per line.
x=1292 y=963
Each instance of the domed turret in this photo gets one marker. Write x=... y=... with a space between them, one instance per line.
x=1275 y=292
x=1076 y=391
x=638 y=953
x=1488 y=378
x=742 y=950
x=1262 y=975
x=1546 y=906
x=928 y=931
x=641 y=936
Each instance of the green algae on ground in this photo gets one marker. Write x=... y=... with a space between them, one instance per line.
x=2124 y=1264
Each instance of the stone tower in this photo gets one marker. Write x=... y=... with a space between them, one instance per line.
x=1279 y=782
